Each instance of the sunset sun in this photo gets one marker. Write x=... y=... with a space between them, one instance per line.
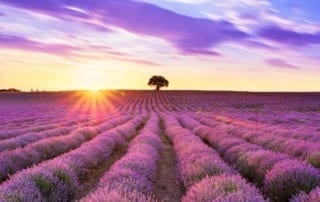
x=92 y=80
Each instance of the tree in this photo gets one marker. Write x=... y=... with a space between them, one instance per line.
x=158 y=81
x=10 y=90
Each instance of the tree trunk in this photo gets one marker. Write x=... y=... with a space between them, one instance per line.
x=158 y=88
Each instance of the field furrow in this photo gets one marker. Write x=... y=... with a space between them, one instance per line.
x=167 y=184
x=131 y=177
x=58 y=179
x=300 y=149
x=152 y=146
x=13 y=161
x=200 y=166
x=279 y=176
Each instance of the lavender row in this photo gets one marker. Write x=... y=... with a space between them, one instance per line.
x=313 y=196
x=279 y=176
x=303 y=150
x=58 y=179
x=226 y=188
x=23 y=140
x=13 y=161
x=195 y=159
x=52 y=125
x=10 y=133
x=15 y=133
x=201 y=167
x=131 y=178
x=305 y=133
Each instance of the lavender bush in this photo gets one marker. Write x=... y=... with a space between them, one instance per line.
x=223 y=188
x=195 y=159
x=313 y=196
x=70 y=166
x=132 y=176
x=288 y=178
x=13 y=161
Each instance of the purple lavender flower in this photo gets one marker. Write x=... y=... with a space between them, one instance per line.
x=314 y=158
x=223 y=188
x=288 y=178
x=313 y=196
x=118 y=195
x=57 y=180
x=133 y=173
x=195 y=159
x=256 y=164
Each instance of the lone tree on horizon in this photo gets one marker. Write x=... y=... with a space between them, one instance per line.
x=158 y=81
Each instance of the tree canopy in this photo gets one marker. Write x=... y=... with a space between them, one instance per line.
x=158 y=81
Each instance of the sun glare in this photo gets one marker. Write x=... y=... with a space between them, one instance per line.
x=93 y=91
x=93 y=95
x=93 y=102
x=90 y=79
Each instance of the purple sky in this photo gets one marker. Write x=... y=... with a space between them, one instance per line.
x=212 y=41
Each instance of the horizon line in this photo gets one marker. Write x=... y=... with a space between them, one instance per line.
x=196 y=90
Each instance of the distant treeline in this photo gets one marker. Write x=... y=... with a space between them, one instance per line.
x=10 y=90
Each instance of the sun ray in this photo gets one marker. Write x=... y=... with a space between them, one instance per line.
x=93 y=103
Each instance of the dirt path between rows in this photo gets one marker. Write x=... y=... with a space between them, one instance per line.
x=91 y=178
x=167 y=185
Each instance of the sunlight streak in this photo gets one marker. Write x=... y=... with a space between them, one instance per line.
x=94 y=103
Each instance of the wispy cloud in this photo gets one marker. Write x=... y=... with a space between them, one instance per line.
x=72 y=52
x=20 y=43
x=289 y=37
x=276 y=62
x=95 y=52
x=187 y=34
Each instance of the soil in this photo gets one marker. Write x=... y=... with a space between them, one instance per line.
x=167 y=185
x=91 y=178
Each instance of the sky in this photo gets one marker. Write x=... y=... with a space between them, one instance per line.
x=265 y=45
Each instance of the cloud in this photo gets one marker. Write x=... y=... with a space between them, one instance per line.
x=276 y=62
x=260 y=45
x=20 y=43
x=16 y=42
x=190 y=1
x=138 y=61
x=101 y=52
x=289 y=37
x=187 y=34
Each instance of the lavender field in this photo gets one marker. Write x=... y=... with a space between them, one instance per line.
x=160 y=146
